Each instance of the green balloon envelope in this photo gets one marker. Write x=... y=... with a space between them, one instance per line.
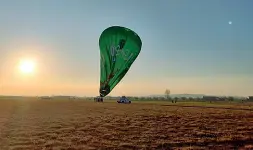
x=119 y=47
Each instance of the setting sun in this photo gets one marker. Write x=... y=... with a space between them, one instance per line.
x=27 y=66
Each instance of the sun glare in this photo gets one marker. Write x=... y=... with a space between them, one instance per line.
x=27 y=66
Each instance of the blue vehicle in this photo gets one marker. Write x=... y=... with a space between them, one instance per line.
x=124 y=100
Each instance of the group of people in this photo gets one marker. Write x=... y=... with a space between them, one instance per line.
x=123 y=99
x=98 y=99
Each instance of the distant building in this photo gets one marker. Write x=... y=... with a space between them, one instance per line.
x=223 y=98
x=250 y=98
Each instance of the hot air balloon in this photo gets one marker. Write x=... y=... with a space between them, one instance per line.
x=119 y=47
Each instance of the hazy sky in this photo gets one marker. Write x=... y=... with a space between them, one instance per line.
x=188 y=46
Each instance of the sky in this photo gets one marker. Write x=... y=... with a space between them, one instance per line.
x=188 y=46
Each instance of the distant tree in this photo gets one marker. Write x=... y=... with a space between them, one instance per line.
x=183 y=98
x=230 y=98
x=155 y=98
x=142 y=98
x=190 y=98
x=175 y=100
x=161 y=98
x=167 y=93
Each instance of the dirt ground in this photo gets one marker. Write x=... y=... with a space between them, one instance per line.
x=63 y=124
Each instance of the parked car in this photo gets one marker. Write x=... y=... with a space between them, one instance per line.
x=124 y=100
